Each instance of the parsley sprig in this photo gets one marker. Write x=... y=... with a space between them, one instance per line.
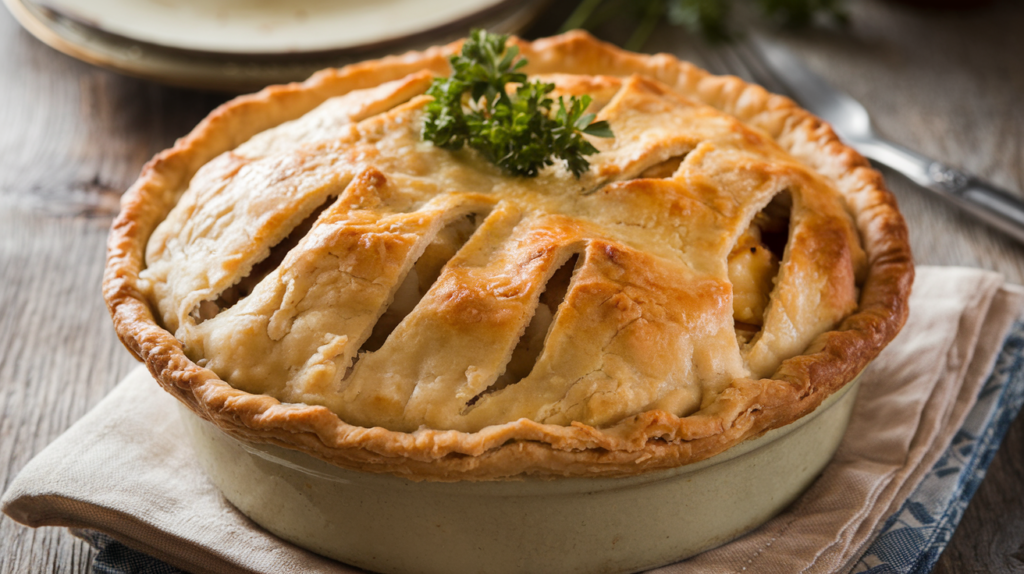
x=521 y=132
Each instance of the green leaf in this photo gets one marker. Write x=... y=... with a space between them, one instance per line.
x=599 y=129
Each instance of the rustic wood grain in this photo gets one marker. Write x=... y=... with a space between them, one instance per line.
x=945 y=83
x=73 y=138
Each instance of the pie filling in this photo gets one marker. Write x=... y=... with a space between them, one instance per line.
x=754 y=265
x=338 y=260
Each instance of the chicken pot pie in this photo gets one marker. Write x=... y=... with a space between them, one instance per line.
x=304 y=270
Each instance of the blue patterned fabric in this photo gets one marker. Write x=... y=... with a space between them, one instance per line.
x=116 y=558
x=911 y=540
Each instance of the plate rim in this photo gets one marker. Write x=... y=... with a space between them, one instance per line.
x=228 y=73
x=384 y=43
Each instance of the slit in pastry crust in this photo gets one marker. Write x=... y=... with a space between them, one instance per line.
x=754 y=265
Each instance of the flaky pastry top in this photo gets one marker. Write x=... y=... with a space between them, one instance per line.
x=303 y=269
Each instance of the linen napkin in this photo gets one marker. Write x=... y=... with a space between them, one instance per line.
x=917 y=446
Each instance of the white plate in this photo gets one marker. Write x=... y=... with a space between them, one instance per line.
x=235 y=73
x=268 y=26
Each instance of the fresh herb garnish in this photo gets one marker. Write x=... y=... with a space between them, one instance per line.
x=520 y=132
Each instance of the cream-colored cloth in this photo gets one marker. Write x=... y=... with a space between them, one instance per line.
x=126 y=469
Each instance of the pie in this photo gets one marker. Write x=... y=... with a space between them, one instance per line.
x=303 y=270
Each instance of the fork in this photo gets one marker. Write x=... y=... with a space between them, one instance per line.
x=779 y=70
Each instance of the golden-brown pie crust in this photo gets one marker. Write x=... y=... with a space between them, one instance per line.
x=655 y=439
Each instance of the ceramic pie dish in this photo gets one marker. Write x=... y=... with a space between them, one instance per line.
x=303 y=271
x=572 y=525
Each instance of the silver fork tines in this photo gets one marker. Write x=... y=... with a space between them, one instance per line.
x=778 y=70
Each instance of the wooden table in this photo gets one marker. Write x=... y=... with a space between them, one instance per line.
x=73 y=137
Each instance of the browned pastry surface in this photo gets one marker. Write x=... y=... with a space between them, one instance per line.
x=303 y=270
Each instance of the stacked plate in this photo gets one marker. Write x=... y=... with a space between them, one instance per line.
x=242 y=45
